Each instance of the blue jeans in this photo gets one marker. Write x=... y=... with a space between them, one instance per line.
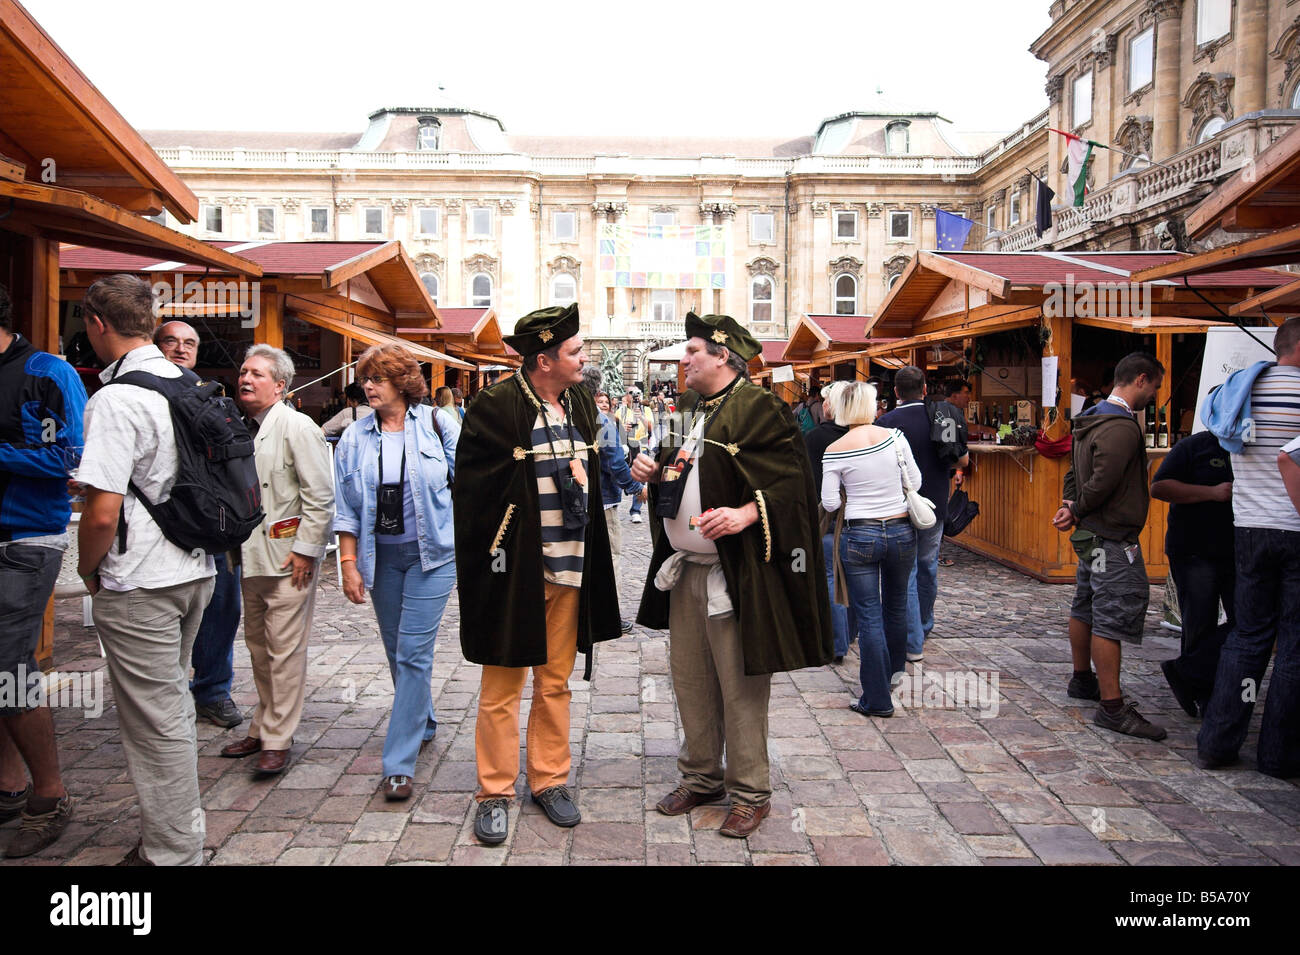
x=1268 y=611
x=878 y=558
x=213 y=656
x=843 y=621
x=409 y=602
x=923 y=587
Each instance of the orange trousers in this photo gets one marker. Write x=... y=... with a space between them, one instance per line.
x=496 y=735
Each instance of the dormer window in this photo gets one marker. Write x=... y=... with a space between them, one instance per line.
x=897 y=138
x=430 y=133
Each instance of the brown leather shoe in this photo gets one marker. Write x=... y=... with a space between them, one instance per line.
x=397 y=788
x=272 y=761
x=744 y=819
x=245 y=747
x=682 y=800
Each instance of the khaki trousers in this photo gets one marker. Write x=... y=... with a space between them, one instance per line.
x=615 y=540
x=496 y=734
x=718 y=703
x=148 y=635
x=277 y=623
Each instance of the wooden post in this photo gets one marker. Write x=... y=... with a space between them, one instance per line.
x=45 y=295
x=270 y=328
x=1165 y=355
x=1062 y=346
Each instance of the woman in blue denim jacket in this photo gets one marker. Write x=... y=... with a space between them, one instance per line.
x=393 y=472
x=877 y=546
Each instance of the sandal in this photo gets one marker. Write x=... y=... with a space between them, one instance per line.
x=946 y=561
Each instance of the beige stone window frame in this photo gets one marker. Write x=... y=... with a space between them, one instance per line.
x=205 y=216
x=890 y=236
x=1150 y=34
x=851 y=215
x=555 y=230
x=257 y=220
x=437 y=221
x=477 y=299
x=311 y=219
x=837 y=298
x=365 y=221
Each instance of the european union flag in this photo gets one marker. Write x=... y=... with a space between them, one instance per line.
x=951 y=230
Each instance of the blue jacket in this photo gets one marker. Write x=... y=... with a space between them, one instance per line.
x=41 y=405
x=431 y=466
x=1226 y=412
x=614 y=472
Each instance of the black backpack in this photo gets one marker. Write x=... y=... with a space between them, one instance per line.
x=216 y=502
x=947 y=432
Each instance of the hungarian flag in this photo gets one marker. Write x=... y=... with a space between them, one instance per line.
x=1079 y=152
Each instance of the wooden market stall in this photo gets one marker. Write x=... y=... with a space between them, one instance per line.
x=826 y=348
x=998 y=315
x=472 y=335
x=316 y=299
x=73 y=170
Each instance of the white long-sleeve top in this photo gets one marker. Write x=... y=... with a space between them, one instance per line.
x=871 y=478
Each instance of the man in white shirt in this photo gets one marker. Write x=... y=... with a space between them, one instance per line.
x=149 y=594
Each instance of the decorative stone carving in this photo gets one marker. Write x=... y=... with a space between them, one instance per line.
x=1170 y=235
x=1102 y=51
x=792 y=210
x=429 y=262
x=707 y=210
x=398 y=203
x=927 y=210
x=235 y=203
x=999 y=197
x=672 y=209
x=819 y=209
x=1209 y=95
x=762 y=266
x=564 y=263
x=1134 y=136
x=453 y=206
x=600 y=209
x=976 y=208
x=845 y=263
x=1158 y=10
x=289 y=203
x=507 y=206
x=482 y=263
x=727 y=210
x=343 y=203
x=618 y=209
x=1055 y=84
x=893 y=266
x=1288 y=51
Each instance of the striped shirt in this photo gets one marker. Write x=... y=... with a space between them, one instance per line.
x=871 y=478
x=562 y=549
x=1259 y=497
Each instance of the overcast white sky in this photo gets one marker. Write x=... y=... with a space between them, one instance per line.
x=581 y=67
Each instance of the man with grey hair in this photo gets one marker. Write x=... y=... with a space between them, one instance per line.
x=149 y=593
x=214 y=647
x=280 y=558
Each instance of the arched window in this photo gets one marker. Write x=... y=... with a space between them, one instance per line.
x=896 y=138
x=481 y=290
x=760 y=299
x=431 y=283
x=1211 y=129
x=430 y=133
x=564 y=290
x=1295 y=98
x=893 y=279
x=846 y=294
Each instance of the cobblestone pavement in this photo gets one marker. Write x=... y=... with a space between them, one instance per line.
x=1037 y=783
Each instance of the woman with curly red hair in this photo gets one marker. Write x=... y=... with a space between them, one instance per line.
x=393 y=472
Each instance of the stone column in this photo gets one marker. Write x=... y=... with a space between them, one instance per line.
x=454 y=291
x=1104 y=79
x=601 y=309
x=729 y=299
x=1251 y=40
x=873 y=257
x=623 y=298
x=820 y=241
x=1167 y=136
x=1055 y=143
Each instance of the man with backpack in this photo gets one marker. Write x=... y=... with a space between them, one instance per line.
x=280 y=558
x=149 y=593
x=935 y=434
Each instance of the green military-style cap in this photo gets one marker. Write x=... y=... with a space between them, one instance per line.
x=724 y=330
x=544 y=329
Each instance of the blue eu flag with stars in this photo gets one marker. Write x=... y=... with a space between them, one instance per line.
x=952 y=230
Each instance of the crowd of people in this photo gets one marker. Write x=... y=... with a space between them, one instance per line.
x=495 y=499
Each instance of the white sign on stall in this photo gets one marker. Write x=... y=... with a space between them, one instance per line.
x=782 y=373
x=1228 y=350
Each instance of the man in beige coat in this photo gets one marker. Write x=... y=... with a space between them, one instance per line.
x=280 y=559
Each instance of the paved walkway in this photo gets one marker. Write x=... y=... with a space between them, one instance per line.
x=1035 y=783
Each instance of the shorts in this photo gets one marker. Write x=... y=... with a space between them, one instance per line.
x=1111 y=594
x=27 y=577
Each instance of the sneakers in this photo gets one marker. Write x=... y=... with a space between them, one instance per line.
x=1129 y=722
x=1084 y=687
x=492 y=821
x=626 y=626
x=915 y=657
x=38 y=831
x=636 y=518
x=1182 y=692
x=397 y=788
x=11 y=807
x=223 y=712
x=558 y=805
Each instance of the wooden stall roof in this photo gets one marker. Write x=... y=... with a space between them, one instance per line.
x=308 y=268
x=814 y=334
x=49 y=110
x=467 y=331
x=954 y=294
x=330 y=320
x=1264 y=194
x=1276 y=248
x=69 y=216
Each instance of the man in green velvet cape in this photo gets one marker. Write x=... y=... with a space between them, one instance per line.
x=533 y=567
x=737 y=573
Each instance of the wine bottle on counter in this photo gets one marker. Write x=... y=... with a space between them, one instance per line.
x=1162 y=431
x=1151 y=425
